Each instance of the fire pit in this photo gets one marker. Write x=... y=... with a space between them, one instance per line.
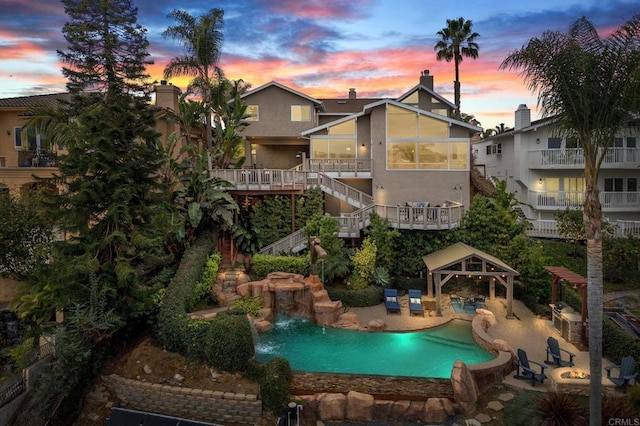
x=575 y=374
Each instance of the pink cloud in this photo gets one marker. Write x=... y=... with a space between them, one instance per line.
x=318 y=9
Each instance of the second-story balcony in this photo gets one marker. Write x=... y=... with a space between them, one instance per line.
x=38 y=158
x=340 y=167
x=573 y=158
x=560 y=200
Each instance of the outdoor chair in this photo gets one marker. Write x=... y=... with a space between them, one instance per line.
x=528 y=373
x=391 y=300
x=415 y=302
x=626 y=371
x=553 y=350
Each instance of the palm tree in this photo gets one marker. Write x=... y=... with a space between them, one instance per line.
x=591 y=86
x=458 y=41
x=201 y=38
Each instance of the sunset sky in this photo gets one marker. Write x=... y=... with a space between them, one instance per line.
x=324 y=47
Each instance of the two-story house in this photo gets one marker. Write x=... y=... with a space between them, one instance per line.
x=546 y=172
x=403 y=158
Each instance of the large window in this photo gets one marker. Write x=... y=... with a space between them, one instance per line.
x=300 y=113
x=339 y=143
x=421 y=142
x=28 y=140
x=554 y=143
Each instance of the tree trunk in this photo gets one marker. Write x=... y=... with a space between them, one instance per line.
x=593 y=231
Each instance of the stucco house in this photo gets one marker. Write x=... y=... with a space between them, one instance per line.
x=546 y=172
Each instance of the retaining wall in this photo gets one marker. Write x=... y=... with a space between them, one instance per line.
x=197 y=404
x=492 y=372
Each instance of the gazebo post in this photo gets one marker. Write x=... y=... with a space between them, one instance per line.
x=429 y=284
x=438 y=296
x=554 y=289
x=492 y=288
x=510 y=297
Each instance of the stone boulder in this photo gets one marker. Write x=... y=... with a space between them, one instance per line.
x=501 y=345
x=348 y=320
x=376 y=325
x=438 y=410
x=465 y=389
x=360 y=406
x=331 y=406
x=263 y=326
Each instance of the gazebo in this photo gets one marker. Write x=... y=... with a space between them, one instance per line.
x=460 y=259
x=578 y=282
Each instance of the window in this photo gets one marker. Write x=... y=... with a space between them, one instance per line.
x=429 y=127
x=300 y=113
x=498 y=148
x=401 y=123
x=488 y=149
x=441 y=111
x=458 y=155
x=554 y=143
x=401 y=155
x=631 y=142
x=433 y=155
x=618 y=142
x=346 y=128
x=613 y=184
x=412 y=99
x=632 y=185
x=28 y=140
x=17 y=137
x=253 y=113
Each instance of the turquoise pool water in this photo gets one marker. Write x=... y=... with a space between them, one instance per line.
x=310 y=347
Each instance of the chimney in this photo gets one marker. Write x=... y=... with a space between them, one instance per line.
x=523 y=117
x=167 y=95
x=426 y=80
x=352 y=93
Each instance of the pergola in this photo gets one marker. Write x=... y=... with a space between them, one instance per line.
x=460 y=259
x=579 y=282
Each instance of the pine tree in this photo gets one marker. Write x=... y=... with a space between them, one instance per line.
x=111 y=199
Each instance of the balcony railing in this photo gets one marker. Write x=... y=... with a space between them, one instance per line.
x=351 y=166
x=574 y=158
x=432 y=218
x=263 y=179
x=549 y=228
x=36 y=159
x=610 y=200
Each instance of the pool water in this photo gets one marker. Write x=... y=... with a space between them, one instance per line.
x=310 y=347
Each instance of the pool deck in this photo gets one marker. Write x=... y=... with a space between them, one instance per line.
x=526 y=331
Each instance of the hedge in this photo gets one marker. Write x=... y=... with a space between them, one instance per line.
x=368 y=296
x=225 y=342
x=274 y=384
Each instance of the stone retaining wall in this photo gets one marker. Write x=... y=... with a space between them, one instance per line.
x=489 y=373
x=197 y=404
x=399 y=387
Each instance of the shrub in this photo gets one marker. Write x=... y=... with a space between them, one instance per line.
x=274 y=387
x=229 y=342
x=264 y=264
x=616 y=343
x=560 y=408
x=369 y=296
x=364 y=261
x=248 y=305
x=616 y=408
x=203 y=287
x=381 y=276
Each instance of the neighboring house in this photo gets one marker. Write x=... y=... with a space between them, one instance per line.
x=546 y=173
x=403 y=158
x=23 y=156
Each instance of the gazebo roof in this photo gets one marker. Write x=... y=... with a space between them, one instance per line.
x=458 y=252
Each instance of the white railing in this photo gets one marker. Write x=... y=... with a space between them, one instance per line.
x=432 y=218
x=339 y=165
x=549 y=228
x=352 y=223
x=262 y=179
x=610 y=200
x=626 y=228
x=574 y=157
x=343 y=191
x=291 y=243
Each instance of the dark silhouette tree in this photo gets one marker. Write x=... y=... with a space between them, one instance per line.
x=458 y=40
x=591 y=86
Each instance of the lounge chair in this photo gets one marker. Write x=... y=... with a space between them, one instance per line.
x=553 y=349
x=627 y=371
x=415 y=302
x=391 y=300
x=528 y=373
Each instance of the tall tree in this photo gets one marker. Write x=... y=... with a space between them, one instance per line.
x=110 y=200
x=201 y=38
x=457 y=41
x=591 y=86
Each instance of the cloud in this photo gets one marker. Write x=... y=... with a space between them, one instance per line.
x=320 y=9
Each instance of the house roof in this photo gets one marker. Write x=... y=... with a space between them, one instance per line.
x=283 y=87
x=370 y=106
x=426 y=89
x=26 y=102
x=346 y=106
x=458 y=252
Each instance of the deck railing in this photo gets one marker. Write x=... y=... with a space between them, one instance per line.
x=610 y=200
x=339 y=165
x=574 y=158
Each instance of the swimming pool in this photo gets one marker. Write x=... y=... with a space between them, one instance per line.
x=429 y=353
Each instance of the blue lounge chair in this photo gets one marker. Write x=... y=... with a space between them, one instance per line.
x=415 y=302
x=553 y=349
x=528 y=373
x=391 y=300
x=627 y=371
